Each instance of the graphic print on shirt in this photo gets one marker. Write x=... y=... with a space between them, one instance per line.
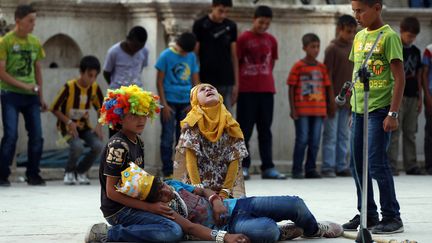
x=311 y=86
x=258 y=63
x=410 y=66
x=23 y=63
x=181 y=72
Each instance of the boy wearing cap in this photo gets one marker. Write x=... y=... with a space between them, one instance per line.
x=132 y=220
x=177 y=72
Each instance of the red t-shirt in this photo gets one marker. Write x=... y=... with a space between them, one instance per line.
x=257 y=54
x=309 y=82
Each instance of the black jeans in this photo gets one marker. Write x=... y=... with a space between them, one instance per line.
x=257 y=108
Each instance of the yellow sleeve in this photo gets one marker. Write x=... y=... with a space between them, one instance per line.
x=230 y=177
x=192 y=167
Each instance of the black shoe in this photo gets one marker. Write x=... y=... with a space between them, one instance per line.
x=429 y=171
x=354 y=223
x=35 y=180
x=344 y=173
x=415 y=171
x=312 y=175
x=4 y=183
x=388 y=226
x=297 y=176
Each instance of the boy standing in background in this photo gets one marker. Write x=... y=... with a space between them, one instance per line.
x=309 y=91
x=177 y=72
x=411 y=102
x=257 y=52
x=336 y=133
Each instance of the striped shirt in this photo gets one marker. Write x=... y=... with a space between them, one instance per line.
x=74 y=101
x=309 y=82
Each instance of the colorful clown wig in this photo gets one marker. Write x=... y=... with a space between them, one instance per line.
x=128 y=99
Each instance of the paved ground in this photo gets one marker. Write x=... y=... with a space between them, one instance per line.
x=58 y=213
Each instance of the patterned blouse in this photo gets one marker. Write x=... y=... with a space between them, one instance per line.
x=213 y=158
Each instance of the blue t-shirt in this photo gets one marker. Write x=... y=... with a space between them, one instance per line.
x=178 y=72
x=199 y=209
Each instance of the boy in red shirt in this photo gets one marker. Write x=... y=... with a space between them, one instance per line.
x=257 y=53
x=309 y=93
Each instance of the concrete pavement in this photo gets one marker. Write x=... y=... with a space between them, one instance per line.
x=59 y=213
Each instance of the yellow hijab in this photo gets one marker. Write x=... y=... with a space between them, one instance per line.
x=213 y=120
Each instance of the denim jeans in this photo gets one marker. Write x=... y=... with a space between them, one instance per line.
x=134 y=225
x=29 y=105
x=76 y=148
x=257 y=108
x=308 y=135
x=335 y=142
x=379 y=167
x=171 y=128
x=428 y=142
x=256 y=217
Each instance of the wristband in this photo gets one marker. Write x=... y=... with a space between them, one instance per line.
x=213 y=197
x=220 y=236
x=36 y=88
x=198 y=185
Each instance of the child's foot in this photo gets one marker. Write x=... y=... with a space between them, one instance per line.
x=83 y=179
x=97 y=233
x=289 y=231
x=328 y=230
x=69 y=178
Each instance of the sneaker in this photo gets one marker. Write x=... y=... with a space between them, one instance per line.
x=354 y=223
x=289 y=231
x=388 y=226
x=83 y=179
x=415 y=171
x=328 y=230
x=5 y=183
x=272 y=173
x=328 y=174
x=344 y=173
x=312 y=175
x=69 y=178
x=36 y=180
x=97 y=233
x=246 y=175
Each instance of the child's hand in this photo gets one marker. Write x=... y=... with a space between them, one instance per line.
x=72 y=129
x=390 y=124
x=236 y=238
x=220 y=212
x=293 y=115
x=234 y=94
x=161 y=209
x=166 y=113
x=98 y=131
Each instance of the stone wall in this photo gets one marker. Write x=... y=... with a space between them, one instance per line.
x=92 y=26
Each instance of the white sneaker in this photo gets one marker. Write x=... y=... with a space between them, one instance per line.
x=69 y=178
x=97 y=233
x=83 y=179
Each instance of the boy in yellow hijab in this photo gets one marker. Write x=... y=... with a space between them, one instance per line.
x=211 y=145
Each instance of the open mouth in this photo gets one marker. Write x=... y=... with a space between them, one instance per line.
x=208 y=94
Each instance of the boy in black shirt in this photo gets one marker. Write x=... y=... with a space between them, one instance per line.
x=411 y=103
x=132 y=220
x=217 y=52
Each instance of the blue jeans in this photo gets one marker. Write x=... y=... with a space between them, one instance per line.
x=379 y=167
x=256 y=217
x=308 y=134
x=76 y=148
x=335 y=142
x=170 y=128
x=29 y=105
x=134 y=225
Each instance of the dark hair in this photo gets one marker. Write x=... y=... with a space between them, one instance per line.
x=186 y=41
x=263 y=11
x=410 y=24
x=369 y=2
x=346 y=21
x=137 y=33
x=309 y=38
x=89 y=63
x=153 y=195
x=225 y=3
x=23 y=10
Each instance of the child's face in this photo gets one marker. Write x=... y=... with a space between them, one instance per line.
x=219 y=13
x=365 y=15
x=261 y=24
x=165 y=194
x=89 y=76
x=207 y=95
x=407 y=38
x=134 y=46
x=347 y=33
x=133 y=123
x=312 y=49
x=27 y=23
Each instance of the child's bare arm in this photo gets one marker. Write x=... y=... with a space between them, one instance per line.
x=156 y=208
x=427 y=94
x=396 y=66
x=293 y=113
